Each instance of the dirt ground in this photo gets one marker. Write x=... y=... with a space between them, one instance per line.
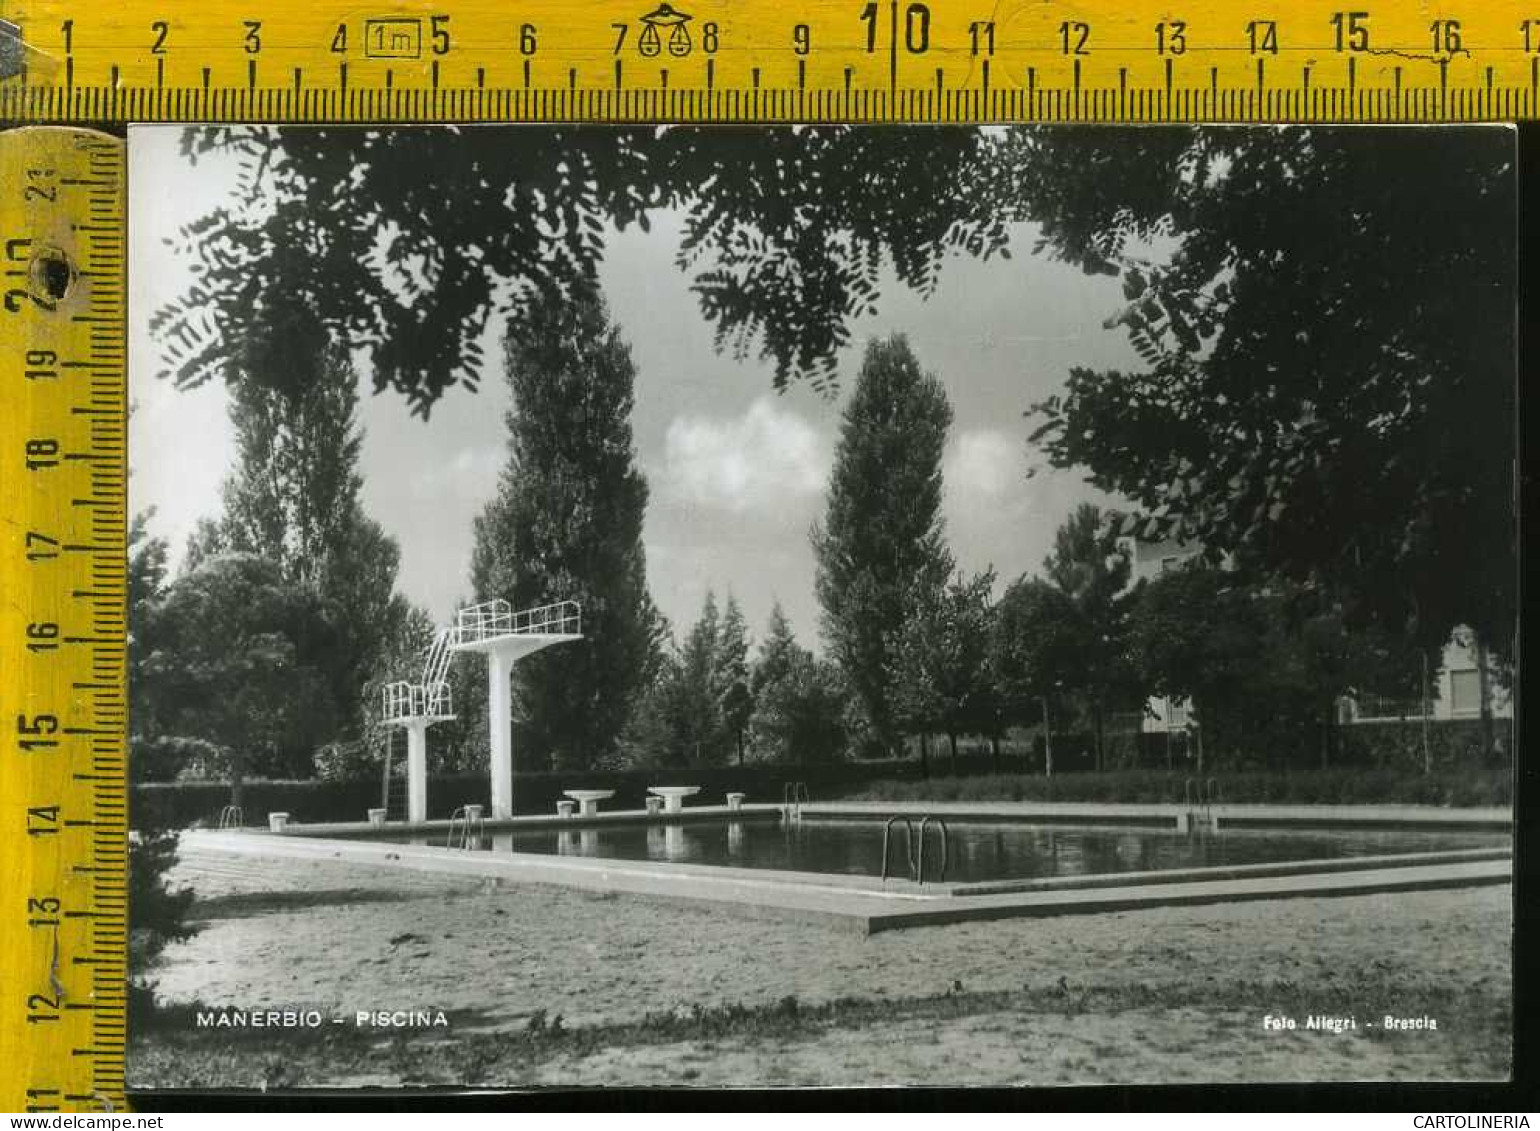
x=1170 y=994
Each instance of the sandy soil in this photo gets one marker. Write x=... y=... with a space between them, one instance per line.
x=340 y=938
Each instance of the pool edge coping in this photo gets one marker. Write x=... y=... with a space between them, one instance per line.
x=871 y=907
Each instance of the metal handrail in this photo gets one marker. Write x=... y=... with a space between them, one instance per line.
x=945 y=848
x=435 y=665
x=887 y=832
x=1198 y=798
x=232 y=817
x=402 y=701
x=492 y=619
x=914 y=845
x=470 y=827
x=793 y=796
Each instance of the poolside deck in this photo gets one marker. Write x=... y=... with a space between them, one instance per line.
x=866 y=904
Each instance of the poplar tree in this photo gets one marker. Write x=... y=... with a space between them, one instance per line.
x=566 y=524
x=881 y=544
x=293 y=499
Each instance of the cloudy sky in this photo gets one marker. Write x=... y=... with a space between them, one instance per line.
x=737 y=472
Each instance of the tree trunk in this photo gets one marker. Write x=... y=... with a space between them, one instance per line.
x=1427 y=709
x=924 y=757
x=237 y=788
x=1326 y=722
x=1047 y=742
x=740 y=748
x=951 y=739
x=1098 y=726
x=994 y=751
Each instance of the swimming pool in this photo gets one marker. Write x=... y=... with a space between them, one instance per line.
x=977 y=851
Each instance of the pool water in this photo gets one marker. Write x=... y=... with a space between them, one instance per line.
x=978 y=852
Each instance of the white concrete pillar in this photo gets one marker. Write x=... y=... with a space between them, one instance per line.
x=500 y=722
x=417 y=771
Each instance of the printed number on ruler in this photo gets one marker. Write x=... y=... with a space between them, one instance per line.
x=63 y=813
x=694 y=59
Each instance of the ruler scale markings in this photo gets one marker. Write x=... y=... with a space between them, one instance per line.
x=87 y=330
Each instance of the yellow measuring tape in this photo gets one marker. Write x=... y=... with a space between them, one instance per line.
x=914 y=60
x=63 y=827
x=63 y=928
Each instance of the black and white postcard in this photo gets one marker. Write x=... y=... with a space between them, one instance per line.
x=837 y=606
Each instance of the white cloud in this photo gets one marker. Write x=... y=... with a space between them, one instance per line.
x=759 y=460
x=983 y=466
x=469 y=474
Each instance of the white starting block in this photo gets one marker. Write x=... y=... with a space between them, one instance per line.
x=588 y=799
x=674 y=795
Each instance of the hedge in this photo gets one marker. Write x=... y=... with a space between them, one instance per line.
x=189 y=803
x=1349 y=786
x=1373 y=762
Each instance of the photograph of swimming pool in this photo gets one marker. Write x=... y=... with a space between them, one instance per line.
x=821 y=606
x=976 y=852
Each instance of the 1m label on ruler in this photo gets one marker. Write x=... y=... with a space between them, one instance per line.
x=63 y=810
x=916 y=60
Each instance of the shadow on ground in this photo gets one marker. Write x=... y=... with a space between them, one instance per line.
x=247 y=905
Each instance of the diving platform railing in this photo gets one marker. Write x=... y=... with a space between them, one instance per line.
x=491 y=620
x=405 y=701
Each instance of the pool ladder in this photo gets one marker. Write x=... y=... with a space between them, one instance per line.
x=1199 y=796
x=914 y=845
x=467 y=820
x=232 y=817
x=793 y=796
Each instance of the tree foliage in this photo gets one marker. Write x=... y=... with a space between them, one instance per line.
x=1033 y=648
x=566 y=524
x=293 y=498
x=1329 y=384
x=799 y=701
x=944 y=678
x=1090 y=566
x=731 y=684
x=881 y=545
x=1263 y=666
x=406 y=242
x=1324 y=316
x=239 y=657
x=157 y=912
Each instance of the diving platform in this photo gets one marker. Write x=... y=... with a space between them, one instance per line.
x=504 y=636
x=415 y=707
